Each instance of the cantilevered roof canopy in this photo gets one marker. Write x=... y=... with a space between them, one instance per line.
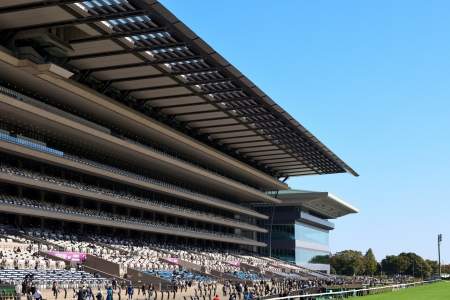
x=138 y=53
x=323 y=203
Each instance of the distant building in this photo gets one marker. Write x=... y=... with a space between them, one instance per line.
x=299 y=226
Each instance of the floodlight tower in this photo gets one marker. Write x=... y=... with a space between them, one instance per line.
x=439 y=252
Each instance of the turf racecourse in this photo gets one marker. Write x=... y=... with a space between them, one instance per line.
x=433 y=291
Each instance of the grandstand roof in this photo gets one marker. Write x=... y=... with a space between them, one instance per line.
x=323 y=203
x=139 y=53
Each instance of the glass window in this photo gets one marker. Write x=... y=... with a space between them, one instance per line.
x=282 y=232
x=311 y=234
x=308 y=256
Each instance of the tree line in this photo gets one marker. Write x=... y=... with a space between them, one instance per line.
x=353 y=263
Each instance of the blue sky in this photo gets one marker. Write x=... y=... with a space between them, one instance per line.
x=371 y=80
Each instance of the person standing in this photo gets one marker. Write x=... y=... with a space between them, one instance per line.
x=130 y=292
x=99 y=295
x=109 y=293
x=55 y=290
x=37 y=295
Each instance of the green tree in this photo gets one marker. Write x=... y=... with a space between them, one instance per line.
x=393 y=265
x=416 y=265
x=320 y=259
x=370 y=263
x=433 y=265
x=348 y=262
x=445 y=269
x=406 y=264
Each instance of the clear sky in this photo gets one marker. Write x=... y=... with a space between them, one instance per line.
x=371 y=79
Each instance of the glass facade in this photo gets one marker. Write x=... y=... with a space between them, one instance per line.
x=283 y=232
x=308 y=256
x=311 y=234
x=316 y=239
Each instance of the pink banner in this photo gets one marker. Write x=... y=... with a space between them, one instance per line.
x=67 y=255
x=172 y=260
x=235 y=263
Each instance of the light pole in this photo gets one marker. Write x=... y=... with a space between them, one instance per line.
x=439 y=252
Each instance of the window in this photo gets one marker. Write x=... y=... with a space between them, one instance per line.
x=311 y=234
x=307 y=256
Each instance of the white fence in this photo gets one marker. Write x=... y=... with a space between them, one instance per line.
x=356 y=292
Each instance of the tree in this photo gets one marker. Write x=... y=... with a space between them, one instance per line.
x=393 y=265
x=406 y=264
x=370 y=263
x=445 y=269
x=433 y=265
x=348 y=262
x=320 y=259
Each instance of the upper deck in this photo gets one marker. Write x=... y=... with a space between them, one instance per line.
x=135 y=52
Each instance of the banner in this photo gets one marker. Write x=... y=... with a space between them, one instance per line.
x=172 y=260
x=70 y=256
x=235 y=263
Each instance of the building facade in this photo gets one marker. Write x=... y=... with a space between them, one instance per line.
x=299 y=227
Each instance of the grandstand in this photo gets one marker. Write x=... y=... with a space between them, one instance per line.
x=131 y=150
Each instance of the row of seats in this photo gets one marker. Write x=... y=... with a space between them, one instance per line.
x=19 y=201
x=155 y=257
x=20 y=253
x=116 y=194
x=137 y=140
x=161 y=183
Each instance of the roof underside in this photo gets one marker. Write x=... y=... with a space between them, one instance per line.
x=137 y=52
x=322 y=203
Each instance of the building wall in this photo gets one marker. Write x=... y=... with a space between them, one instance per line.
x=295 y=241
x=312 y=247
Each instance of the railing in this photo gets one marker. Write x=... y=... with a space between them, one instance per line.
x=355 y=292
x=42 y=148
x=52 y=109
x=169 y=154
x=125 y=196
x=29 y=144
x=69 y=211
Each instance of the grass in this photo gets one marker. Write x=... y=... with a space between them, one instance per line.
x=434 y=291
